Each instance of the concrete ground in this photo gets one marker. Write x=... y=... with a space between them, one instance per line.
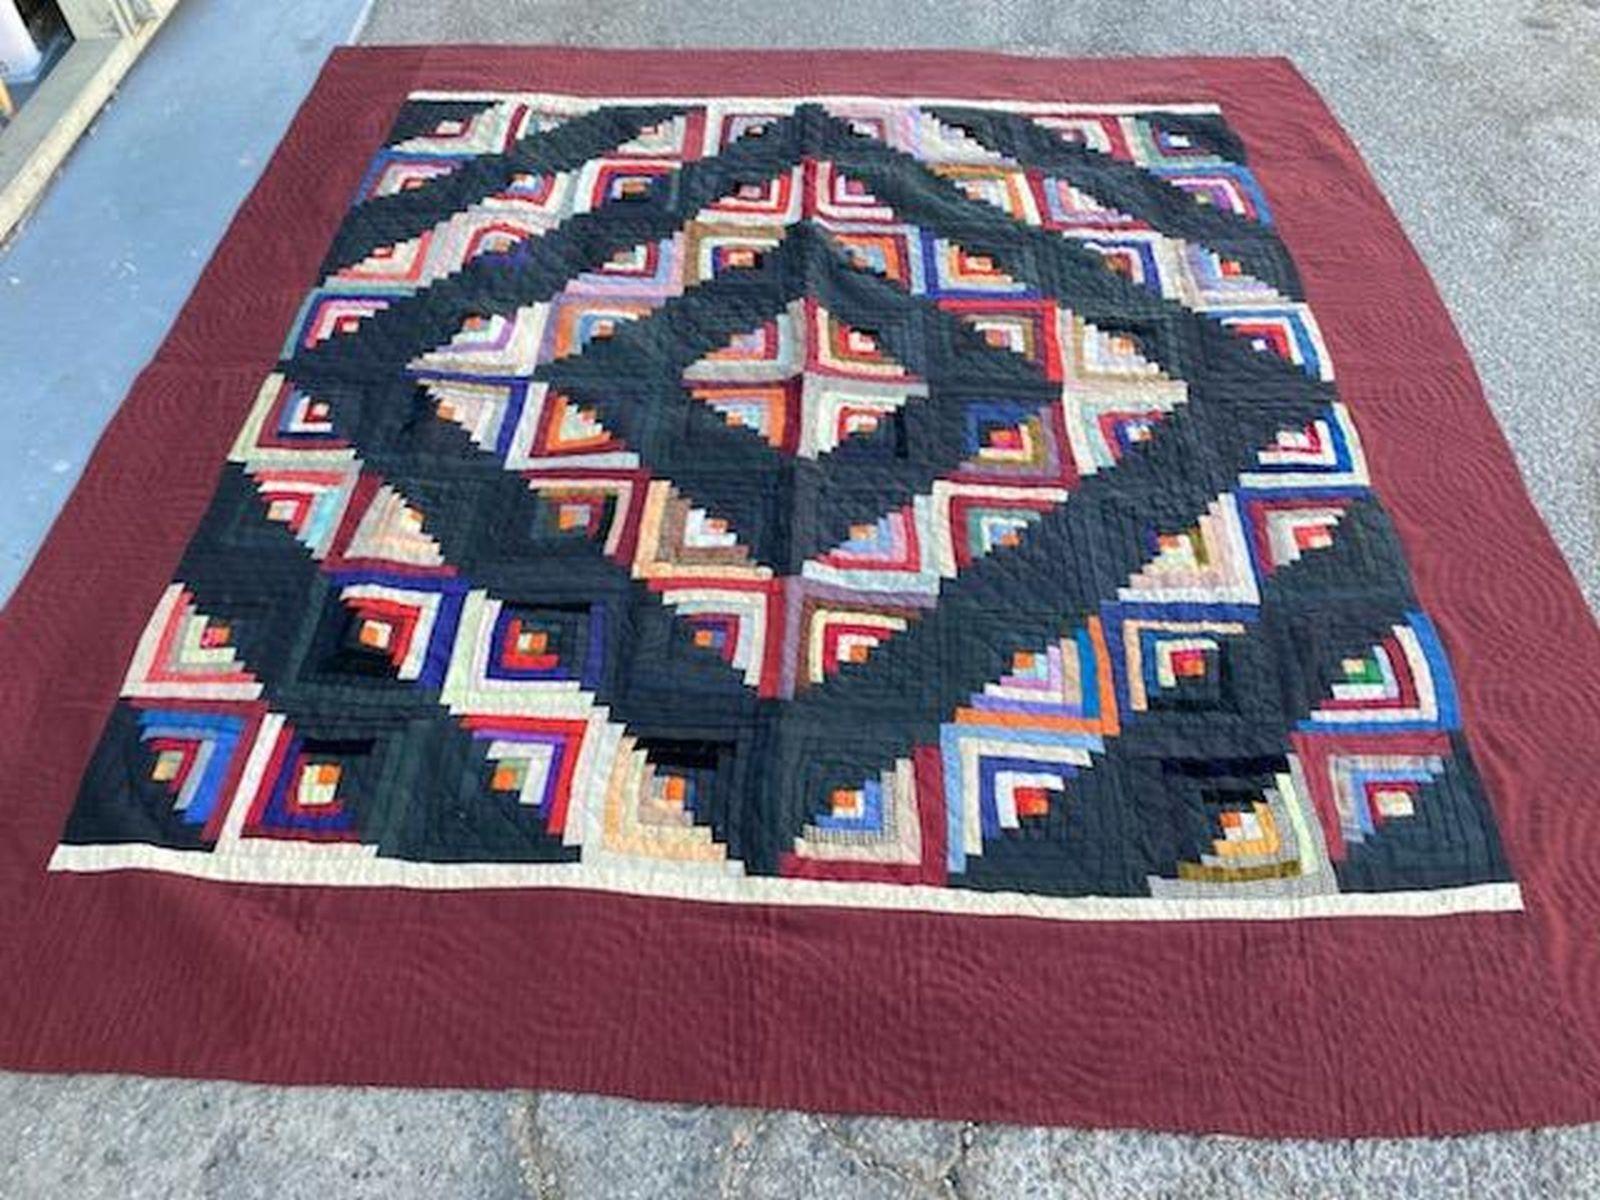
x=93 y=279
x=1481 y=118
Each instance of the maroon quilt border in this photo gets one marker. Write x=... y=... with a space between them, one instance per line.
x=1315 y=1027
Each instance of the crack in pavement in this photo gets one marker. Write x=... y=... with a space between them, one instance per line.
x=536 y=1158
x=735 y=1170
x=939 y=1181
x=966 y=1137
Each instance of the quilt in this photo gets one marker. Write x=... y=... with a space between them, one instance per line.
x=918 y=583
